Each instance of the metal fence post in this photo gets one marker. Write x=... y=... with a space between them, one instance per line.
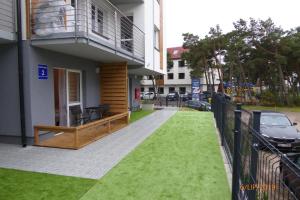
x=217 y=111
x=236 y=155
x=239 y=106
x=223 y=116
x=254 y=152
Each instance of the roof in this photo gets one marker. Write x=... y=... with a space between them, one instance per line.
x=176 y=52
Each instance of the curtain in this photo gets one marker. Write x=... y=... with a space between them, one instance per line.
x=62 y=98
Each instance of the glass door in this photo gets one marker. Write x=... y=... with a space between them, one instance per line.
x=74 y=94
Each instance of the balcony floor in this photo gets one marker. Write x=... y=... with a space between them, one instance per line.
x=7 y=37
x=101 y=51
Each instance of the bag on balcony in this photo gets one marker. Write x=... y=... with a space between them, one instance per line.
x=49 y=17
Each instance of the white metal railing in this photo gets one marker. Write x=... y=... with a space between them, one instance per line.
x=96 y=20
x=7 y=16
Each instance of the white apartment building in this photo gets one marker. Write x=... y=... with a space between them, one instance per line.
x=178 y=78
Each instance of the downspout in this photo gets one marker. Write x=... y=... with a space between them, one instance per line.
x=21 y=73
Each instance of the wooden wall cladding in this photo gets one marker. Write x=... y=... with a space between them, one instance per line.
x=114 y=86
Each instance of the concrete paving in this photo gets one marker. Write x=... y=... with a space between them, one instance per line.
x=92 y=161
x=227 y=165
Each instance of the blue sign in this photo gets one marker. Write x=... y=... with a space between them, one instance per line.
x=43 y=72
x=196 y=89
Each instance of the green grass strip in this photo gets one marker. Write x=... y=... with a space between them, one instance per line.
x=21 y=185
x=181 y=160
x=276 y=109
x=134 y=116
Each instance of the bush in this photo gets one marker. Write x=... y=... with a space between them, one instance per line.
x=267 y=98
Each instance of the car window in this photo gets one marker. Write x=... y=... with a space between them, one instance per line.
x=275 y=120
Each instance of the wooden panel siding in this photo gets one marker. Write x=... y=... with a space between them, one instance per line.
x=114 y=86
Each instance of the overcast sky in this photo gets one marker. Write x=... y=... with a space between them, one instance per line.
x=197 y=16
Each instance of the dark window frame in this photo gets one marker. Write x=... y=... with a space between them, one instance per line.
x=172 y=89
x=180 y=90
x=161 y=90
x=181 y=63
x=169 y=74
x=179 y=77
x=151 y=89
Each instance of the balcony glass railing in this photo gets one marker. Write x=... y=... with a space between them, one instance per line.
x=96 y=20
x=7 y=16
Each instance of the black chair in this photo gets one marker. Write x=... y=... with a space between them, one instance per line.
x=77 y=116
x=105 y=109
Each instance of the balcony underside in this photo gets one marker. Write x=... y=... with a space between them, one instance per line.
x=126 y=1
x=7 y=37
x=83 y=47
x=142 y=71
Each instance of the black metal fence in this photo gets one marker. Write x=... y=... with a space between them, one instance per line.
x=259 y=170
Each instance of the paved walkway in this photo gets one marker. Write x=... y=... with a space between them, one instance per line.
x=92 y=161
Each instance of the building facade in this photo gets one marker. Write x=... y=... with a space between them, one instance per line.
x=178 y=77
x=76 y=53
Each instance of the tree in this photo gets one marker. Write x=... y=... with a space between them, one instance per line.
x=255 y=51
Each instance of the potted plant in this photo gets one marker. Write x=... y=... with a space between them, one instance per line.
x=147 y=104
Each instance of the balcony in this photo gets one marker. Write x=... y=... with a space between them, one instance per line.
x=7 y=21
x=93 y=29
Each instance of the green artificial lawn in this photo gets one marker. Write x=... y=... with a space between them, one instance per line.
x=181 y=160
x=134 y=116
x=20 y=185
x=278 y=109
x=187 y=109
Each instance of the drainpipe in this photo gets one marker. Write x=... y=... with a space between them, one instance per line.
x=21 y=73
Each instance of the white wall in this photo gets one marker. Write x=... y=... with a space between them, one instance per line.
x=156 y=14
x=176 y=70
x=152 y=18
x=146 y=16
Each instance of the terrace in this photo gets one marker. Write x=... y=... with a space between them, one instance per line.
x=113 y=93
x=93 y=29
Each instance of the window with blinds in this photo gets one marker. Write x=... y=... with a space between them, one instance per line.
x=74 y=87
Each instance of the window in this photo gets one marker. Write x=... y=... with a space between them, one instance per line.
x=171 y=89
x=73 y=3
x=161 y=90
x=181 y=76
x=142 y=89
x=97 y=20
x=151 y=89
x=156 y=38
x=170 y=64
x=149 y=77
x=182 y=90
x=181 y=63
x=74 y=87
x=170 y=76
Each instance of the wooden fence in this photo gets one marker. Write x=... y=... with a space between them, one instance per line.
x=78 y=137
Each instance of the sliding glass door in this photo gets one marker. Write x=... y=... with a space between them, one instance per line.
x=74 y=93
